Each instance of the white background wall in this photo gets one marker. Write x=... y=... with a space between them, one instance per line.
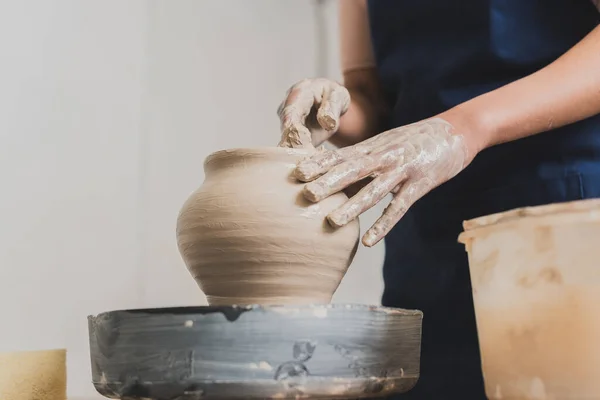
x=107 y=111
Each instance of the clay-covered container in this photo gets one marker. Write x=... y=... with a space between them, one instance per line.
x=535 y=274
x=255 y=352
x=248 y=236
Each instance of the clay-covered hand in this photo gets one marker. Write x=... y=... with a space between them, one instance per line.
x=408 y=161
x=310 y=112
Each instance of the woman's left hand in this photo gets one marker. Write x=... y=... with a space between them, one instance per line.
x=408 y=161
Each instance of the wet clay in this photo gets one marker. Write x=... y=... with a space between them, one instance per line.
x=248 y=235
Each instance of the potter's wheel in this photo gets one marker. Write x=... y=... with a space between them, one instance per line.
x=320 y=351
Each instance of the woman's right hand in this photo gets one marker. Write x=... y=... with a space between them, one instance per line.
x=310 y=113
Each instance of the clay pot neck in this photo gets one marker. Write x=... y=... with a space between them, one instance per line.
x=225 y=158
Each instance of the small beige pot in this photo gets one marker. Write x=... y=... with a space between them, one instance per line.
x=536 y=286
x=248 y=236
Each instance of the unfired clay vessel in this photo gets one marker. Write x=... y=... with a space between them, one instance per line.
x=535 y=274
x=248 y=236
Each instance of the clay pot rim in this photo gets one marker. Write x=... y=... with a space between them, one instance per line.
x=269 y=308
x=255 y=152
x=578 y=208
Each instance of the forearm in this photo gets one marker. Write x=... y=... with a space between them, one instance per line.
x=564 y=92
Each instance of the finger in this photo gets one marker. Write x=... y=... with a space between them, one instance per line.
x=334 y=103
x=301 y=94
x=294 y=132
x=409 y=193
x=294 y=136
x=289 y=95
x=338 y=178
x=366 y=198
x=292 y=114
x=318 y=164
x=310 y=168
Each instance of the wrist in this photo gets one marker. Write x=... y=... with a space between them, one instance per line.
x=474 y=126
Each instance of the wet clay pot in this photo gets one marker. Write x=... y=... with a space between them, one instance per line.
x=248 y=236
x=535 y=274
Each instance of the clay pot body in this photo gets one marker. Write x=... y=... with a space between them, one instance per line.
x=536 y=290
x=248 y=236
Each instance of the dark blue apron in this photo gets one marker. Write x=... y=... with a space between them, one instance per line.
x=432 y=55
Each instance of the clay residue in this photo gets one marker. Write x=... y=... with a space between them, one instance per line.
x=296 y=137
x=545 y=276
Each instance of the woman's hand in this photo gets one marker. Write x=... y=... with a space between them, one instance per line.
x=408 y=161
x=310 y=113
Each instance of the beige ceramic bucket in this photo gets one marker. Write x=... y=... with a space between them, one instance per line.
x=536 y=286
